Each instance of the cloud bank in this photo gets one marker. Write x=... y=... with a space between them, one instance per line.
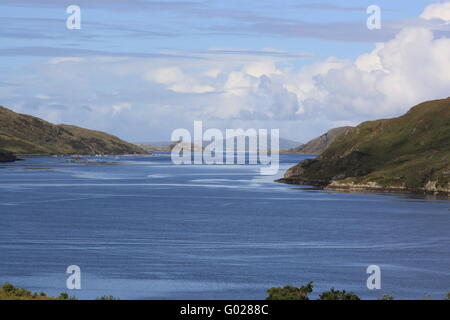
x=134 y=94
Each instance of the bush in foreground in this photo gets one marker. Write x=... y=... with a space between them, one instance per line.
x=338 y=295
x=108 y=297
x=10 y=292
x=290 y=293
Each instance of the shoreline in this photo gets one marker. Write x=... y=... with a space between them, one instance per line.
x=361 y=188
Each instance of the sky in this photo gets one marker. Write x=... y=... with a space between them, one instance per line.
x=140 y=69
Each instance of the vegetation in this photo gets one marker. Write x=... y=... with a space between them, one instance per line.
x=408 y=153
x=24 y=134
x=10 y=292
x=107 y=297
x=303 y=292
x=338 y=295
x=290 y=293
x=387 y=297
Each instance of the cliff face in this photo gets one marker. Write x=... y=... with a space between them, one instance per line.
x=320 y=144
x=408 y=153
x=24 y=134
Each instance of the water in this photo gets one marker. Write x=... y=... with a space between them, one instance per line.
x=142 y=228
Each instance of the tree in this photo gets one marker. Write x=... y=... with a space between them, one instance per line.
x=107 y=297
x=290 y=292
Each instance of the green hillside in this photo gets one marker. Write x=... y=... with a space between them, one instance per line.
x=410 y=153
x=24 y=134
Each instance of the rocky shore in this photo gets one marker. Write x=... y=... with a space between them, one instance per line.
x=7 y=157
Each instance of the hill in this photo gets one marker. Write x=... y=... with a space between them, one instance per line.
x=319 y=144
x=408 y=153
x=24 y=134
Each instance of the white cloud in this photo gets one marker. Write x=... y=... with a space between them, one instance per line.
x=411 y=68
x=118 y=108
x=260 y=68
x=439 y=11
x=42 y=96
x=177 y=80
x=241 y=87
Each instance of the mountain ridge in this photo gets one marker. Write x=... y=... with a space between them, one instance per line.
x=25 y=134
x=408 y=153
x=319 y=144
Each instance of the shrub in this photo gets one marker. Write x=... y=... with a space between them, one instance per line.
x=106 y=297
x=338 y=295
x=290 y=293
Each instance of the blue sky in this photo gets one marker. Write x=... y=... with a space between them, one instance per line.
x=140 y=69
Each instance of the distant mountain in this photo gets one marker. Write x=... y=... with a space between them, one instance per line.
x=408 y=153
x=319 y=144
x=284 y=144
x=24 y=134
x=154 y=148
x=167 y=146
x=155 y=143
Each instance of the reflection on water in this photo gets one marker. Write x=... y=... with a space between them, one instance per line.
x=142 y=228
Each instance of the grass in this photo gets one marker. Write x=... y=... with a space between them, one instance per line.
x=410 y=151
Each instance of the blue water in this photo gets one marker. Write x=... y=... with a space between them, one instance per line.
x=142 y=228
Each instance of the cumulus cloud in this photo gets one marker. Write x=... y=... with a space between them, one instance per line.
x=439 y=11
x=239 y=87
x=177 y=81
x=411 y=68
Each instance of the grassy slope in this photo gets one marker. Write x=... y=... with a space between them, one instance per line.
x=411 y=151
x=25 y=134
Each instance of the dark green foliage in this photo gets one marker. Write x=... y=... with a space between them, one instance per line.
x=107 y=297
x=290 y=293
x=10 y=292
x=338 y=295
x=386 y=297
x=65 y=296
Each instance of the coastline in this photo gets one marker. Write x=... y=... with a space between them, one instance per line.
x=369 y=187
